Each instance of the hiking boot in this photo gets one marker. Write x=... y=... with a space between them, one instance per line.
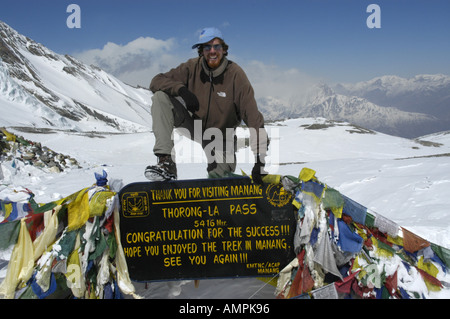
x=165 y=170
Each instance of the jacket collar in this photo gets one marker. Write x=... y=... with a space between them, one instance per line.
x=216 y=72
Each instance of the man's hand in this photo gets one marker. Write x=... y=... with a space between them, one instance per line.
x=189 y=98
x=258 y=171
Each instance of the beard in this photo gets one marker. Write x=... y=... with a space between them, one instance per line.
x=213 y=61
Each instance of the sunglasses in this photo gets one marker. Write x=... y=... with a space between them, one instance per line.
x=208 y=47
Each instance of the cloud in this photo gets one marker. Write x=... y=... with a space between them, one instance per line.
x=136 y=62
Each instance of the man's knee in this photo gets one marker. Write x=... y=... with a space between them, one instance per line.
x=161 y=99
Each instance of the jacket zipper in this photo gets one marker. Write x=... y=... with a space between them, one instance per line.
x=209 y=99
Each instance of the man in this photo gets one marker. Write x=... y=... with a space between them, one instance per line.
x=205 y=98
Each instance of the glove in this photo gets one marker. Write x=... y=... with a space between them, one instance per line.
x=258 y=171
x=189 y=98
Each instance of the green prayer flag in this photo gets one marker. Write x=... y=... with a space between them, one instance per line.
x=8 y=233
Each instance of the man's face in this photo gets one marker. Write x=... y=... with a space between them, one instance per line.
x=213 y=53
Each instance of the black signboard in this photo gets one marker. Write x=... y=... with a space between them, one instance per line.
x=206 y=228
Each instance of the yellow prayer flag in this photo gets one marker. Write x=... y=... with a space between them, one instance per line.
x=21 y=264
x=272 y=179
x=47 y=238
x=98 y=203
x=78 y=210
x=428 y=267
x=9 y=137
x=74 y=275
x=306 y=174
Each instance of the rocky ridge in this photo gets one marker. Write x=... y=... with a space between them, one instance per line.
x=15 y=148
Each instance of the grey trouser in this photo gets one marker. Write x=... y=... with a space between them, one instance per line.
x=169 y=113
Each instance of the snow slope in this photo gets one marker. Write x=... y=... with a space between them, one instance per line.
x=404 y=180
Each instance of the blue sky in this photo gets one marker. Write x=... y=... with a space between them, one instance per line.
x=321 y=39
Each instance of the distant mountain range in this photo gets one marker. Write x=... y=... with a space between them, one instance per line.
x=39 y=88
x=428 y=94
x=355 y=104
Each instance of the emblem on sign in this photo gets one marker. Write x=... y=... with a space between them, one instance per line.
x=135 y=204
x=277 y=196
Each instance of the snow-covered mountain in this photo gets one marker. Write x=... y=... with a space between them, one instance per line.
x=56 y=91
x=323 y=101
x=426 y=94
